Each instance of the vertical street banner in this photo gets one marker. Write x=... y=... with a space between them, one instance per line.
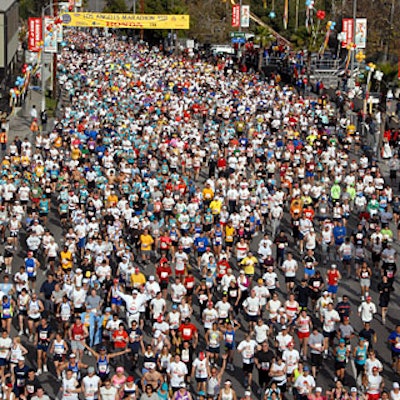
x=347 y=29
x=286 y=14
x=245 y=17
x=34 y=34
x=361 y=33
x=50 y=35
x=235 y=16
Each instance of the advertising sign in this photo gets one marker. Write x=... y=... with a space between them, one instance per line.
x=34 y=34
x=235 y=16
x=50 y=35
x=138 y=21
x=361 y=33
x=245 y=17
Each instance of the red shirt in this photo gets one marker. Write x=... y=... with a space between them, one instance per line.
x=165 y=242
x=187 y=331
x=333 y=277
x=189 y=282
x=164 y=272
x=120 y=339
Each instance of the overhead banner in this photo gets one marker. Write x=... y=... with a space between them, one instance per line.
x=50 y=35
x=361 y=32
x=34 y=34
x=235 y=16
x=138 y=21
x=245 y=17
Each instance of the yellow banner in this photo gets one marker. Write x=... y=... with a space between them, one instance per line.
x=134 y=21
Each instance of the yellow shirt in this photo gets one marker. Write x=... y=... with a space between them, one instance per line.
x=112 y=199
x=146 y=242
x=138 y=280
x=216 y=206
x=248 y=264
x=229 y=232
x=66 y=259
x=75 y=153
x=208 y=194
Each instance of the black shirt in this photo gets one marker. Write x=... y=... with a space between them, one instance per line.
x=265 y=359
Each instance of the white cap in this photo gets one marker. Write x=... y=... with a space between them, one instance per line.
x=318 y=389
x=151 y=278
x=396 y=385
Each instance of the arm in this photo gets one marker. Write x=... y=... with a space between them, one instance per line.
x=90 y=349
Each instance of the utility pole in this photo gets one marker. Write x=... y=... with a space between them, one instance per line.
x=353 y=51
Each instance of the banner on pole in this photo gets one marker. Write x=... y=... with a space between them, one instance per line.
x=34 y=34
x=347 y=29
x=138 y=21
x=361 y=33
x=245 y=17
x=235 y=16
x=50 y=35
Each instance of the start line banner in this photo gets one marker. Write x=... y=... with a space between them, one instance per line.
x=134 y=21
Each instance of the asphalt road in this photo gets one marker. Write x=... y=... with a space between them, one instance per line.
x=20 y=126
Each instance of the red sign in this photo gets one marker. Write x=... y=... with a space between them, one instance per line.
x=34 y=34
x=236 y=16
x=348 y=30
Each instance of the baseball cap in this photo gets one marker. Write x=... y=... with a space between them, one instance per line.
x=306 y=369
x=151 y=278
x=284 y=327
x=342 y=341
x=353 y=389
x=182 y=385
x=318 y=389
x=247 y=393
x=21 y=358
x=90 y=370
x=130 y=379
x=396 y=385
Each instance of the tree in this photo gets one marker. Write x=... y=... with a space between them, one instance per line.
x=263 y=38
x=115 y=6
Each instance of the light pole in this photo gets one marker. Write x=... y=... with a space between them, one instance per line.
x=354 y=37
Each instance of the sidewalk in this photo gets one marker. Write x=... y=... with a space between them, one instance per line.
x=20 y=121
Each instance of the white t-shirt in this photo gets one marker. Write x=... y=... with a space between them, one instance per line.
x=91 y=387
x=247 y=348
x=177 y=371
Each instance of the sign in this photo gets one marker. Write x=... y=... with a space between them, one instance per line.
x=50 y=35
x=347 y=29
x=245 y=17
x=361 y=33
x=239 y=40
x=78 y=3
x=138 y=21
x=237 y=34
x=235 y=16
x=34 y=34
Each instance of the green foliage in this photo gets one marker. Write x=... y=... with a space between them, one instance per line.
x=389 y=70
x=115 y=6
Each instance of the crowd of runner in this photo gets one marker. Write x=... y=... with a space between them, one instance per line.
x=209 y=218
